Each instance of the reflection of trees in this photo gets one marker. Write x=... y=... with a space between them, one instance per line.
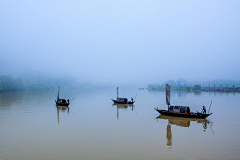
x=7 y=98
x=197 y=93
x=182 y=122
x=122 y=106
x=63 y=109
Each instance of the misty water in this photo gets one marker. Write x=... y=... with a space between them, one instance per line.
x=32 y=127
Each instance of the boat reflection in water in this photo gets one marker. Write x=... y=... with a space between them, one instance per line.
x=62 y=109
x=122 y=107
x=182 y=122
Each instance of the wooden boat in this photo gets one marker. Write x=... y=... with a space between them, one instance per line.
x=179 y=111
x=60 y=101
x=122 y=100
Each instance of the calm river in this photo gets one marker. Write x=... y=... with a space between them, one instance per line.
x=33 y=128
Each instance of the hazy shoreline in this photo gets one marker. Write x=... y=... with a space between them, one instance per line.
x=237 y=89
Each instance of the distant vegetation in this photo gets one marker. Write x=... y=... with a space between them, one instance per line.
x=43 y=82
x=217 y=85
x=7 y=83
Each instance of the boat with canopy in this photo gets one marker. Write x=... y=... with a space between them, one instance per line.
x=120 y=100
x=61 y=101
x=179 y=111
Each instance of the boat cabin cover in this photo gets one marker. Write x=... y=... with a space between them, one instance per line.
x=179 y=109
x=122 y=99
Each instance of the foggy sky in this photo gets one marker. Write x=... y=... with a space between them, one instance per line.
x=121 y=41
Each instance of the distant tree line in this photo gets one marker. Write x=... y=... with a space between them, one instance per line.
x=7 y=83
x=174 y=87
x=195 y=87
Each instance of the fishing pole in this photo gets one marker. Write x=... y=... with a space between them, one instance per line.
x=135 y=98
x=210 y=107
x=72 y=99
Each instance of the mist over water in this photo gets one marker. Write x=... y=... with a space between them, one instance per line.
x=93 y=47
x=120 y=42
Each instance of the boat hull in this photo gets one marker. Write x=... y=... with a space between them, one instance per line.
x=193 y=115
x=62 y=104
x=118 y=102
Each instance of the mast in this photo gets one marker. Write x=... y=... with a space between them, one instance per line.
x=167 y=87
x=58 y=92
x=117 y=92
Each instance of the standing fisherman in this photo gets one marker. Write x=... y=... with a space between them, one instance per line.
x=204 y=110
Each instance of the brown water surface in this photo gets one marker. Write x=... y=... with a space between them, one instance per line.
x=33 y=127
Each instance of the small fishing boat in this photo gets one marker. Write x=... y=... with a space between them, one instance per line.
x=60 y=101
x=122 y=100
x=179 y=111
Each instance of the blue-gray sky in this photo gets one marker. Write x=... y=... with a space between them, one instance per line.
x=121 y=41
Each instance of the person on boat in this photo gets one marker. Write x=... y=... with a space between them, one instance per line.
x=188 y=110
x=132 y=99
x=204 y=110
x=68 y=101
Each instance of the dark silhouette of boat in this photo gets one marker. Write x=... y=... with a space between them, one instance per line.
x=60 y=101
x=120 y=100
x=179 y=111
